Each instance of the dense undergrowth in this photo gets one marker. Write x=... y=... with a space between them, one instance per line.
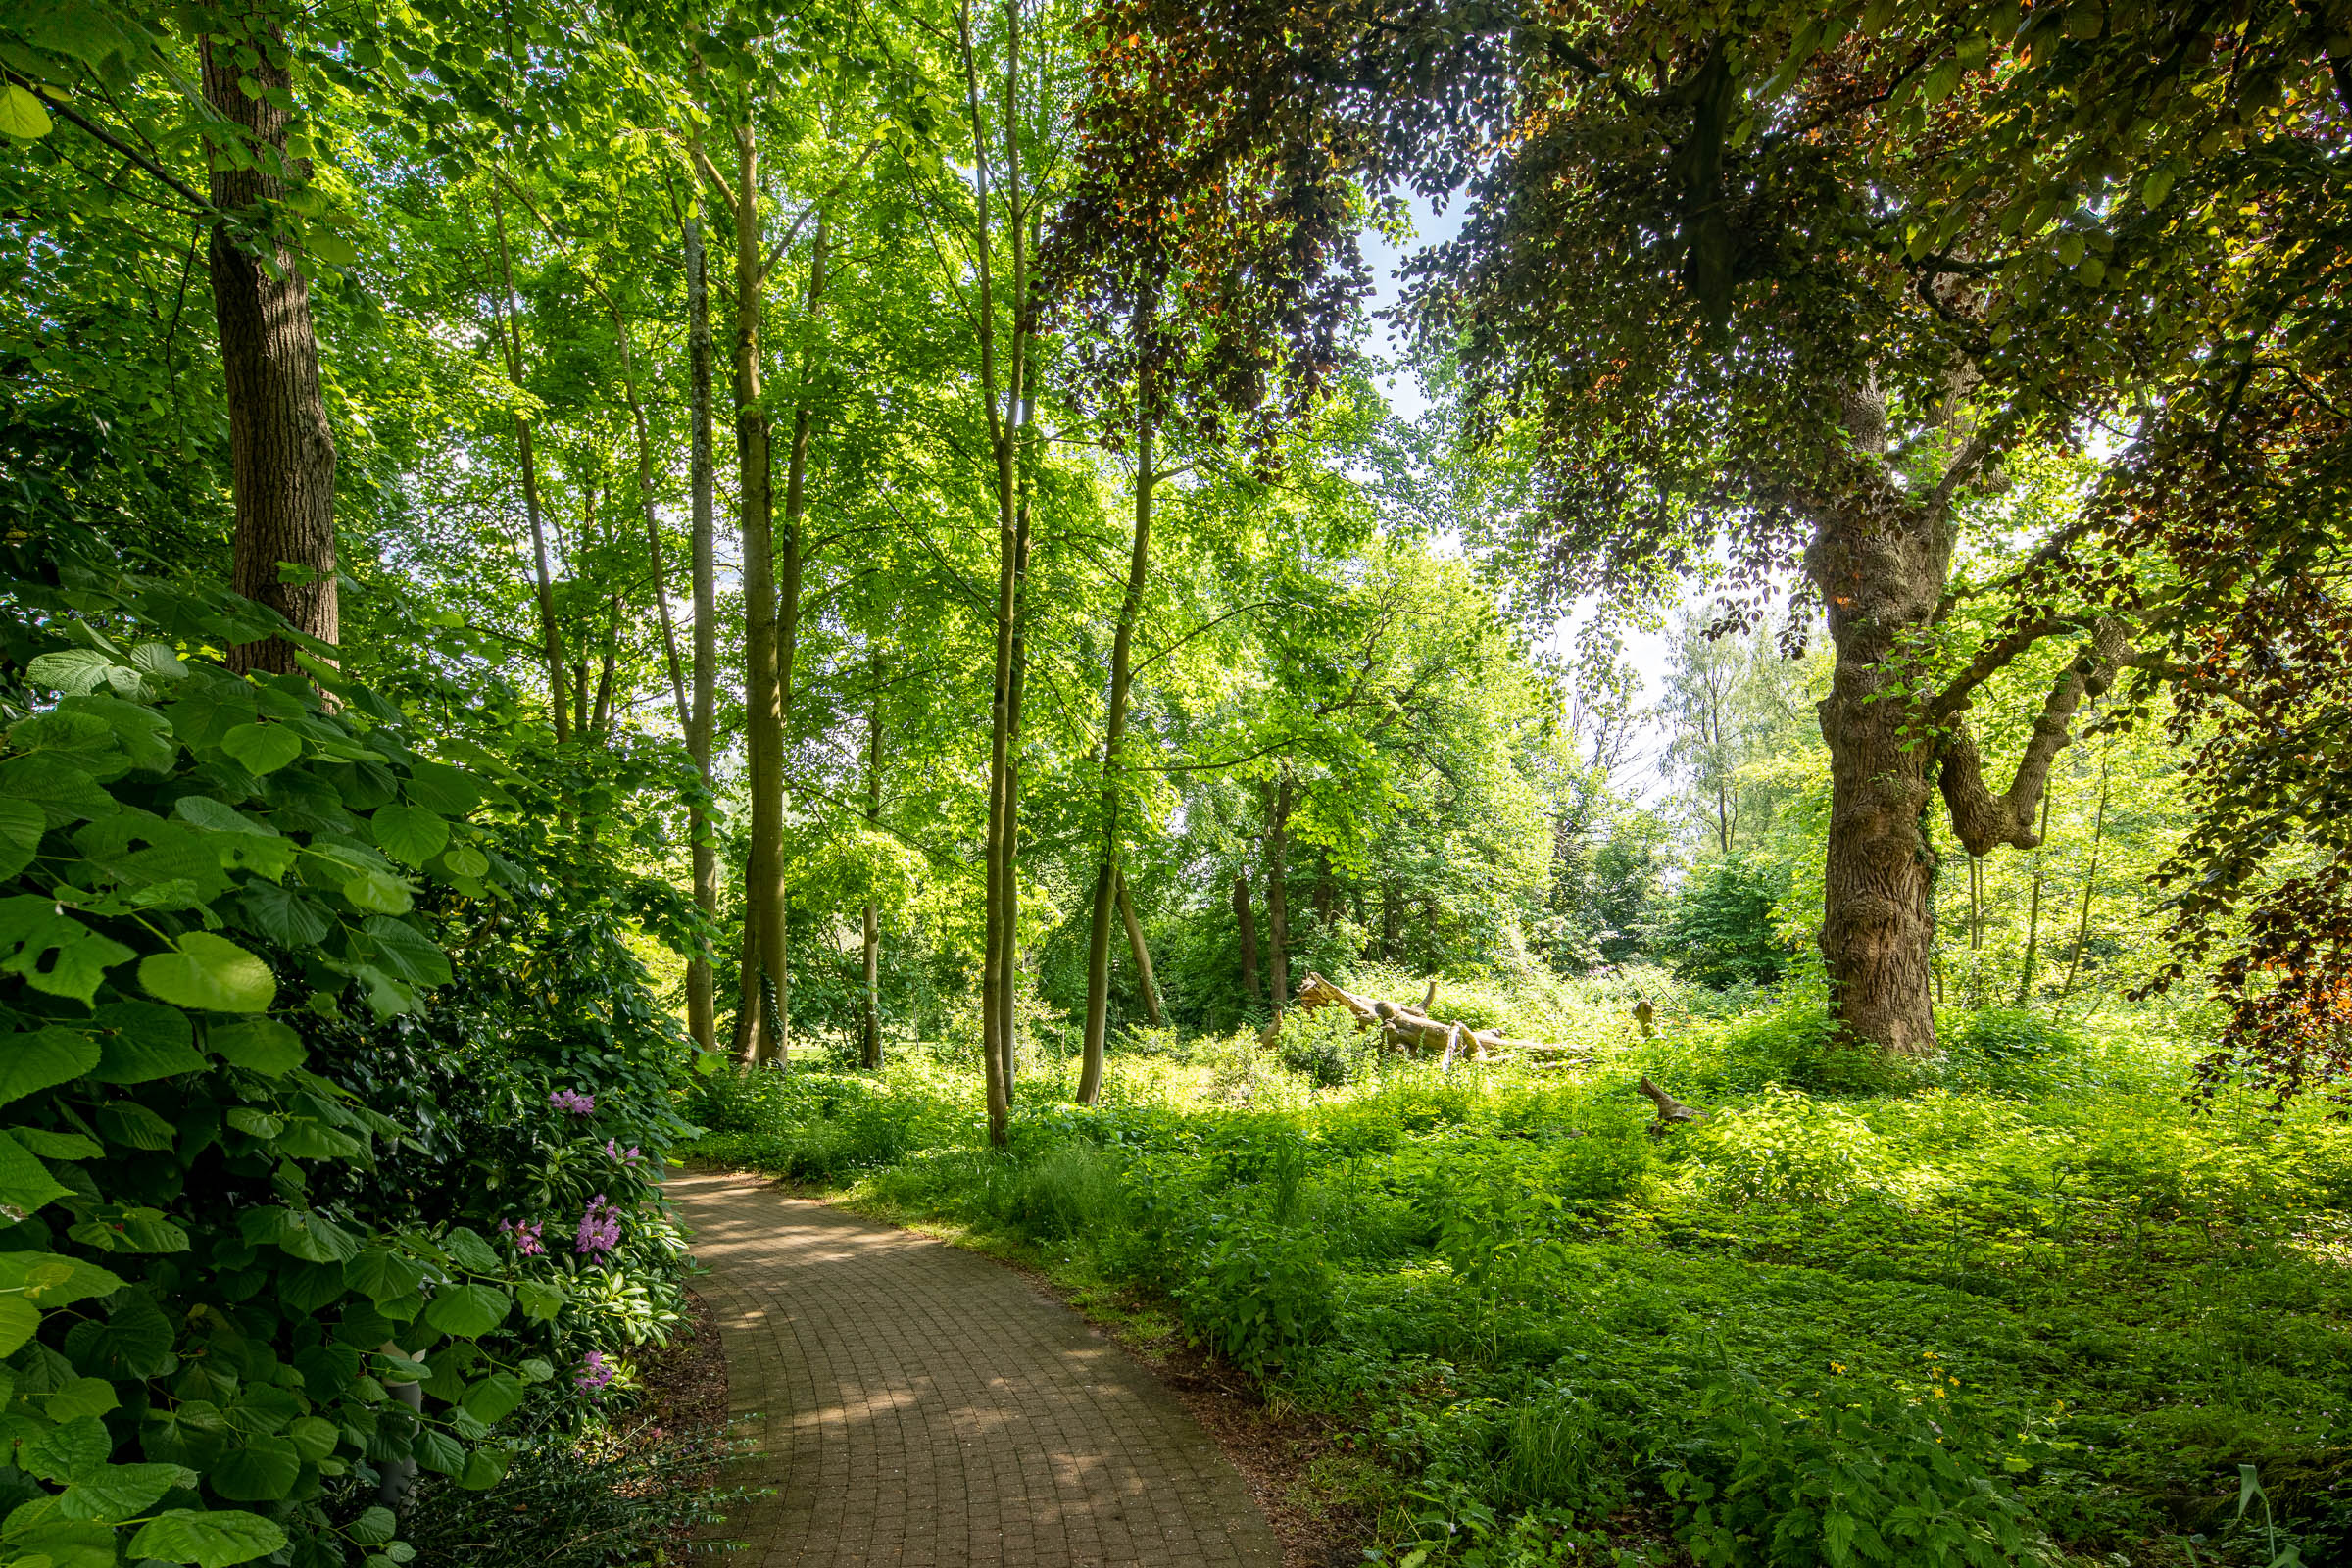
x=2026 y=1305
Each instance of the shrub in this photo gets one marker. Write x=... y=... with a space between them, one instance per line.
x=1257 y=1293
x=1721 y=928
x=1786 y=1147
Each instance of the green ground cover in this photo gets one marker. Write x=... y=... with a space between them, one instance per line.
x=2026 y=1306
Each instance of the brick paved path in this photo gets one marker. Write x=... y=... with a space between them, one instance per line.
x=916 y=1404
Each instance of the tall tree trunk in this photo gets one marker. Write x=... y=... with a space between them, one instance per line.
x=702 y=1001
x=2091 y=880
x=793 y=557
x=753 y=1041
x=551 y=635
x=1323 y=887
x=869 y=1045
x=282 y=449
x=1278 y=914
x=764 y=880
x=1141 y=952
x=1392 y=920
x=1114 y=731
x=1009 y=955
x=1244 y=921
x=2025 y=977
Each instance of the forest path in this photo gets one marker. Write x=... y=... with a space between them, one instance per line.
x=913 y=1403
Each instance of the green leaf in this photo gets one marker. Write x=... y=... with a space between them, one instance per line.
x=443 y=789
x=54 y=1144
x=22 y=824
x=407 y=952
x=471 y=1253
x=72 y=670
x=218 y=816
x=76 y=1448
x=64 y=793
x=373 y=1528
x=119 y=1491
x=379 y=892
x=265 y=1470
x=51 y=1541
x=210 y=972
x=217 y=1539
x=535 y=1369
x=409 y=833
x=312 y=1239
x=381 y=1274
x=436 y=1449
x=35 y=929
x=314 y=1436
x=466 y=1311
x=541 y=1301
x=18 y=1319
x=307 y=1138
x=158 y=660
x=260 y=1123
x=25 y=1184
x=285 y=916
x=22 y=117
x=494 y=1397
x=134 y=1126
x=133 y=1341
x=262 y=748
x=466 y=862
x=52 y=1279
x=79 y=1397
x=258 y=1045
x=139 y=1041
x=484 y=1468
x=42 y=1059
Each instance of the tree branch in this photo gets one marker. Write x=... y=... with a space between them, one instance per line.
x=1980 y=818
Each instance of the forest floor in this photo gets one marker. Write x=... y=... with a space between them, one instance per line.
x=910 y=1402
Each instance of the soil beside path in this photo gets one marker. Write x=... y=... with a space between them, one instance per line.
x=917 y=1404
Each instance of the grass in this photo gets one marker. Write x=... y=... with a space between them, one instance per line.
x=2023 y=1304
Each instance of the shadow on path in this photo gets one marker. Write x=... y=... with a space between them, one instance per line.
x=917 y=1404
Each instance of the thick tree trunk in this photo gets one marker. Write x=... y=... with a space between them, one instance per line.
x=702 y=1002
x=869 y=1034
x=1114 y=730
x=1876 y=927
x=1141 y=952
x=281 y=450
x=1278 y=921
x=764 y=701
x=1245 y=920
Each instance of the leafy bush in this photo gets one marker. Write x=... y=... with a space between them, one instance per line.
x=227 y=897
x=1721 y=927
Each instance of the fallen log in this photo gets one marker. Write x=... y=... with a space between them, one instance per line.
x=1406 y=1027
x=1670 y=1109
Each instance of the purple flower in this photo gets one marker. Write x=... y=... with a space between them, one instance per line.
x=526 y=1236
x=600 y=1228
x=619 y=1156
x=595 y=1372
x=574 y=1101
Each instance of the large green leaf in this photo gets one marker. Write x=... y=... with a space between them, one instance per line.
x=262 y=748
x=379 y=892
x=494 y=1397
x=485 y=1468
x=541 y=1301
x=381 y=1274
x=218 y=816
x=265 y=1045
x=44 y=1057
x=21 y=823
x=409 y=833
x=466 y=1311
x=265 y=1470
x=132 y=1125
x=466 y=1249
x=437 y=1451
x=407 y=952
x=443 y=789
x=314 y=1436
x=52 y=1279
x=64 y=793
x=25 y=1184
x=54 y=952
x=72 y=670
x=140 y=1041
x=118 y=1491
x=134 y=1340
x=70 y=1449
x=285 y=916
x=210 y=972
x=18 y=1319
x=312 y=1239
x=217 y=1539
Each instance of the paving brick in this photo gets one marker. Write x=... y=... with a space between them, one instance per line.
x=915 y=1404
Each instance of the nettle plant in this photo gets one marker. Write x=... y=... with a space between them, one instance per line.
x=204 y=872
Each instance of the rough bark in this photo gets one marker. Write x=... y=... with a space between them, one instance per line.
x=702 y=1007
x=1245 y=920
x=282 y=449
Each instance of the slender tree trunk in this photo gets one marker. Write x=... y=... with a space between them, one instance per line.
x=1392 y=920
x=1278 y=916
x=702 y=1002
x=1244 y=921
x=2024 y=978
x=869 y=1046
x=2091 y=880
x=753 y=1043
x=1141 y=952
x=1010 y=956
x=282 y=449
x=600 y=723
x=1975 y=903
x=551 y=635
x=1323 y=887
x=1114 y=730
x=792 y=559
x=763 y=882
